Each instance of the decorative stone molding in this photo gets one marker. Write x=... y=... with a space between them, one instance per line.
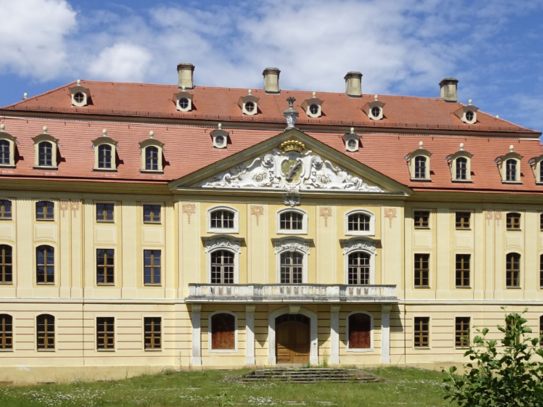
x=257 y=211
x=63 y=206
x=74 y=206
x=291 y=244
x=292 y=197
x=326 y=212
x=353 y=245
x=213 y=243
x=189 y=210
x=390 y=213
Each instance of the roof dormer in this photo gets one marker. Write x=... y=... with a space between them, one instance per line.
x=468 y=114
x=418 y=163
x=105 y=156
x=45 y=150
x=313 y=106
x=80 y=95
x=220 y=137
x=249 y=104
x=509 y=166
x=7 y=148
x=460 y=165
x=183 y=101
x=352 y=141
x=374 y=109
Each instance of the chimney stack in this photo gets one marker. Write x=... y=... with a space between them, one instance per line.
x=449 y=92
x=271 y=80
x=353 y=84
x=185 y=70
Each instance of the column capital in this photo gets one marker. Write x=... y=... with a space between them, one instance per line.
x=250 y=308
x=195 y=307
x=335 y=308
x=386 y=307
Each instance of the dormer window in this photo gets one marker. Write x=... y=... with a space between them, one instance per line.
x=418 y=163
x=220 y=137
x=313 y=106
x=537 y=167
x=460 y=165
x=509 y=166
x=420 y=167
x=7 y=148
x=80 y=95
x=352 y=141
x=374 y=109
x=183 y=101
x=468 y=114
x=249 y=104
x=151 y=154
x=45 y=150
x=104 y=153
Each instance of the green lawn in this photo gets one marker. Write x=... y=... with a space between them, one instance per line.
x=402 y=387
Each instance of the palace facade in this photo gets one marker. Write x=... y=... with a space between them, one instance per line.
x=145 y=227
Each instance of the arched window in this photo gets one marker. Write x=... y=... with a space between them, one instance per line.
x=45 y=265
x=6 y=265
x=223 y=331
x=45 y=152
x=512 y=274
x=291 y=221
x=105 y=156
x=6 y=331
x=511 y=170
x=5 y=209
x=222 y=267
x=222 y=219
x=359 y=268
x=360 y=222
x=151 y=159
x=45 y=332
x=420 y=167
x=291 y=267
x=45 y=210
x=462 y=168
x=360 y=327
x=5 y=153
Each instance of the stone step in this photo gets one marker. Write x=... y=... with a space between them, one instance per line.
x=309 y=375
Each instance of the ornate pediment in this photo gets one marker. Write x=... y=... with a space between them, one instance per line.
x=290 y=168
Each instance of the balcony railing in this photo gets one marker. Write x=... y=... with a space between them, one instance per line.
x=291 y=293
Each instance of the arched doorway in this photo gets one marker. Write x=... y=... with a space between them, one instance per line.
x=292 y=342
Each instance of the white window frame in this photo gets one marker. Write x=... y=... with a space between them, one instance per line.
x=107 y=141
x=359 y=350
x=12 y=143
x=370 y=232
x=412 y=167
x=235 y=229
x=223 y=243
x=210 y=334
x=144 y=145
x=280 y=231
x=359 y=245
x=293 y=245
x=502 y=166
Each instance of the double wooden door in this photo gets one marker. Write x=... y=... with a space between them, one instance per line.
x=292 y=338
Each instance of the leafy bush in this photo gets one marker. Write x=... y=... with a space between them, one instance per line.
x=503 y=377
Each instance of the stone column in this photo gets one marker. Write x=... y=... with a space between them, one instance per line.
x=196 y=359
x=385 y=333
x=334 y=334
x=250 y=334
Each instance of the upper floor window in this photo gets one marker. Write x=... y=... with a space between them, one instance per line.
x=422 y=219
x=291 y=267
x=249 y=104
x=418 y=163
x=5 y=209
x=462 y=220
x=105 y=266
x=105 y=333
x=45 y=153
x=45 y=332
x=511 y=170
x=541 y=271
x=359 y=268
x=422 y=270
x=223 y=331
x=104 y=212
x=45 y=150
x=5 y=152
x=420 y=167
x=461 y=168
x=463 y=270
x=151 y=213
x=152 y=333
x=360 y=329
x=6 y=332
x=45 y=265
x=292 y=221
x=222 y=267
x=104 y=153
x=6 y=264
x=509 y=166
x=460 y=164
x=7 y=148
x=45 y=210
x=541 y=222
x=513 y=221
x=222 y=219
x=541 y=331
x=151 y=266
x=151 y=157
x=512 y=274
x=360 y=222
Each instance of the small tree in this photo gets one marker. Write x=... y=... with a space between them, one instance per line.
x=493 y=378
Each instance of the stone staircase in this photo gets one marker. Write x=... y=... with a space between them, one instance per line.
x=309 y=375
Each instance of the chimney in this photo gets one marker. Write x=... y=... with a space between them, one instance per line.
x=271 y=80
x=449 y=89
x=353 y=84
x=185 y=70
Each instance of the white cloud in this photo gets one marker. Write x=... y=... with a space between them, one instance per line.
x=32 y=37
x=122 y=62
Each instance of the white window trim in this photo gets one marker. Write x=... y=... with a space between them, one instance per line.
x=370 y=232
x=280 y=231
x=36 y=331
x=143 y=333
x=293 y=245
x=517 y=171
x=223 y=243
x=359 y=350
x=359 y=245
x=412 y=166
x=452 y=162
x=115 y=333
x=235 y=229
x=107 y=141
x=144 y=145
x=209 y=333
x=12 y=144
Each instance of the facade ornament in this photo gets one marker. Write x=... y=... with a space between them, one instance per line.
x=291 y=114
x=257 y=211
x=189 y=209
x=354 y=245
x=291 y=245
x=64 y=205
x=74 y=206
x=292 y=197
x=326 y=212
x=497 y=217
x=222 y=243
x=489 y=215
x=390 y=213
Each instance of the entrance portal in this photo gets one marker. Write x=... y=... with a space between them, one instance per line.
x=292 y=340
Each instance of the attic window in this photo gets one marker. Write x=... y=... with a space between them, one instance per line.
x=375 y=111
x=79 y=97
x=468 y=114
x=313 y=106
x=183 y=100
x=220 y=137
x=352 y=141
x=183 y=103
x=314 y=109
x=249 y=104
x=250 y=107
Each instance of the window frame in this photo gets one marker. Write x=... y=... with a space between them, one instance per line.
x=223 y=243
x=302 y=231
x=456 y=332
x=97 y=266
x=45 y=283
x=509 y=215
x=456 y=271
x=46 y=349
x=152 y=204
x=370 y=232
x=105 y=141
x=210 y=332
x=144 y=145
x=161 y=333
x=502 y=166
x=453 y=165
x=52 y=219
x=4 y=334
x=415 y=270
x=456 y=213
x=415 y=226
x=114 y=348
x=160 y=267
x=96 y=211
x=541 y=271
x=3 y=211
x=429 y=331
x=12 y=142
x=519 y=271
x=347 y=332
x=300 y=245
x=45 y=138
x=2 y=265
x=231 y=209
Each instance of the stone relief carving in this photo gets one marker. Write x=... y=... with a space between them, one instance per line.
x=356 y=245
x=292 y=197
x=326 y=212
x=222 y=243
x=305 y=171
x=257 y=211
x=291 y=246
x=189 y=209
x=390 y=213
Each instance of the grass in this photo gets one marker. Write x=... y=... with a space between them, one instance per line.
x=403 y=387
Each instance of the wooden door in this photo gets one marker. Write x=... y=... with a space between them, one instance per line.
x=292 y=339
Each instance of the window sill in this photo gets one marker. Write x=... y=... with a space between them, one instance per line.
x=153 y=350
x=223 y=351
x=463 y=229
x=153 y=285
x=422 y=286
x=6 y=219
x=45 y=350
x=461 y=348
x=45 y=220
x=8 y=166
x=105 y=221
x=462 y=287
x=152 y=223
x=422 y=227
x=514 y=230
x=105 y=284
x=40 y=167
x=105 y=169
x=359 y=350
x=293 y=232
x=152 y=171
x=422 y=348
x=225 y=231
x=105 y=350
x=6 y=283
x=46 y=284
x=6 y=350
x=512 y=182
x=355 y=233
x=462 y=181
x=421 y=179
x=513 y=288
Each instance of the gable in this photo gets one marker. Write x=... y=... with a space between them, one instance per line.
x=291 y=161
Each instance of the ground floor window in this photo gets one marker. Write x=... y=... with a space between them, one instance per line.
x=152 y=334
x=105 y=333
x=45 y=331
x=6 y=331
x=462 y=332
x=422 y=332
x=223 y=331
x=359 y=331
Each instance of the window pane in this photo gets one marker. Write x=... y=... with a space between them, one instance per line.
x=152 y=333
x=45 y=151
x=463 y=270
x=104 y=156
x=421 y=268
x=422 y=219
x=420 y=167
x=291 y=221
x=151 y=158
x=359 y=222
x=4 y=152
x=6 y=331
x=462 y=332
x=223 y=331
x=222 y=267
x=105 y=333
x=359 y=268
x=421 y=332
x=104 y=212
x=5 y=209
x=45 y=332
x=151 y=213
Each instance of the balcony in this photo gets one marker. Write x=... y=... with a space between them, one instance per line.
x=300 y=293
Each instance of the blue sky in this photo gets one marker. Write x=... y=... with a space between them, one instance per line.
x=495 y=48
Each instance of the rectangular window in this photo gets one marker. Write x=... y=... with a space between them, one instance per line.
x=152 y=334
x=513 y=221
x=462 y=220
x=6 y=264
x=462 y=332
x=151 y=213
x=422 y=264
x=45 y=332
x=105 y=333
x=105 y=266
x=422 y=219
x=541 y=271
x=541 y=222
x=421 y=332
x=151 y=265
x=512 y=274
x=45 y=210
x=6 y=332
x=104 y=212
x=541 y=331
x=462 y=270
x=5 y=209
